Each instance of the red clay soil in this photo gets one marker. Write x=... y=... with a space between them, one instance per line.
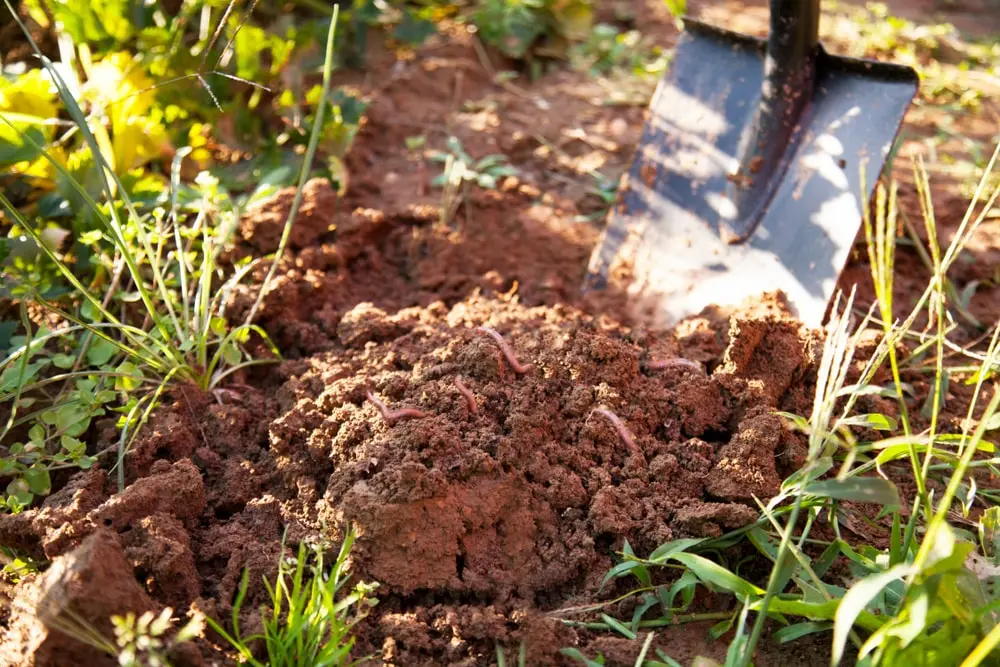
x=494 y=437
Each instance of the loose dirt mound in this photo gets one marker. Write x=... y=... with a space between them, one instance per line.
x=486 y=497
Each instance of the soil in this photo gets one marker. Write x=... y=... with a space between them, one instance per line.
x=494 y=436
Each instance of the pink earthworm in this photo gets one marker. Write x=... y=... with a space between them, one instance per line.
x=676 y=362
x=391 y=416
x=469 y=398
x=505 y=348
x=620 y=427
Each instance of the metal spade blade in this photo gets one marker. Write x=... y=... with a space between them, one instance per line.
x=752 y=170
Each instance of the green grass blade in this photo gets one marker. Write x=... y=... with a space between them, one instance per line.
x=306 y=164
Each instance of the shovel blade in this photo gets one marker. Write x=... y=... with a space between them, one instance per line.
x=664 y=231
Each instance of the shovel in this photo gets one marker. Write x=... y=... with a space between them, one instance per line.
x=753 y=168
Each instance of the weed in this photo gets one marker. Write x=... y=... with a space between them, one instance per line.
x=161 y=319
x=460 y=170
x=139 y=641
x=521 y=28
x=312 y=613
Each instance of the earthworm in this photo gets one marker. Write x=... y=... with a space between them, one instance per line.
x=469 y=398
x=505 y=348
x=392 y=415
x=674 y=363
x=620 y=427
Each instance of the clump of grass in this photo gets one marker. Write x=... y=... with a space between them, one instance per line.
x=157 y=319
x=312 y=614
x=921 y=600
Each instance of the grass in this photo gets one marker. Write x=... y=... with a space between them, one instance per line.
x=160 y=318
x=917 y=600
x=312 y=614
x=115 y=274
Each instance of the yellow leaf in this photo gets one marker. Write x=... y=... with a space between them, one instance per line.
x=31 y=94
x=138 y=142
x=120 y=85
x=575 y=18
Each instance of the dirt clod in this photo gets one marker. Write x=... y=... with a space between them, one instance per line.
x=85 y=586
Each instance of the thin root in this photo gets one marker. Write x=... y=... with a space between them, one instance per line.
x=391 y=416
x=505 y=348
x=620 y=427
x=469 y=398
x=676 y=362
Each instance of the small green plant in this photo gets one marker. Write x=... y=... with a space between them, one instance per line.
x=140 y=641
x=460 y=170
x=607 y=50
x=312 y=615
x=520 y=28
x=152 y=318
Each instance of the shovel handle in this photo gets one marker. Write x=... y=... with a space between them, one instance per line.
x=789 y=77
x=794 y=32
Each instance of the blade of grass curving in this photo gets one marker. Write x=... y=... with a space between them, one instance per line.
x=153 y=361
x=306 y=164
x=831 y=378
x=217 y=357
x=104 y=171
x=124 y=439
x=937 y=304
x=964 y=231
x=182 y=263
x=19 y=387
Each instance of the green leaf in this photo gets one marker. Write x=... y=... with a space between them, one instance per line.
x=231 y=354
x=937 y=397
x=577 y=655
x=36 y=433
x=130 y=378
x=989 y=533
x=63 y=361
x=72 y=445
x=412 y=30
x=618 y=626
x=664 y=551
x=38 y=480
x=799 y=630
x=873 y=490
x=628 y=567
x=993 y=422
x=100 y=352
x=218 y=326
x=676 y=7
x=854 y=603
x=18 y=490
x=872 y=420
x=71 y=418
x=717 y=576
x=90 y=238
